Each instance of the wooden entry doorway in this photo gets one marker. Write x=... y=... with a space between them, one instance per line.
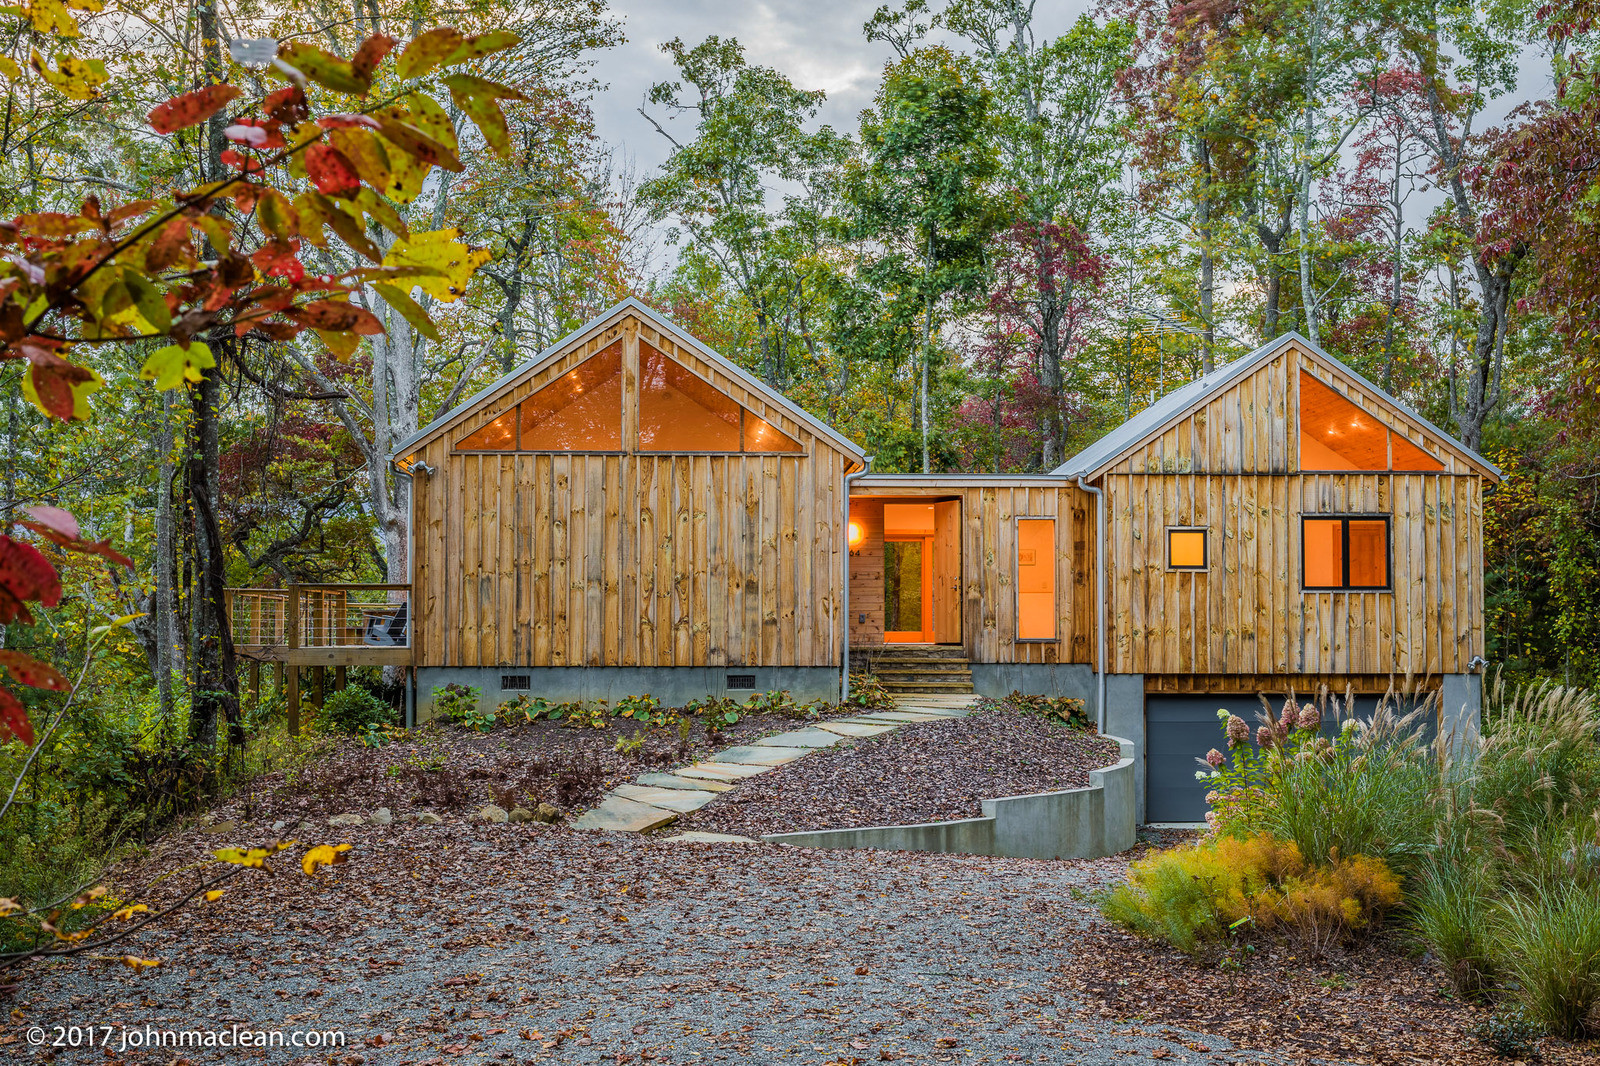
x=922 y=573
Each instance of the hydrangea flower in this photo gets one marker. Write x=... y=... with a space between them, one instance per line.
x=1238 y=732
x=1309 y=717
x=1265 y=737
x=1216 y=758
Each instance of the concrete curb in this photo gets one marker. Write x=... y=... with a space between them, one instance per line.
x=1079 y=823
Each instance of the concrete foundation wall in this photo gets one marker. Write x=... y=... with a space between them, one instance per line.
x=1125 y=718
x=673 y=685
x=1080 y=823
x=1461 y=711
x=1035 y=679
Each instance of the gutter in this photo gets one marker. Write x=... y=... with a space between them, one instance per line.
x=1099 y=597
x=844 y=657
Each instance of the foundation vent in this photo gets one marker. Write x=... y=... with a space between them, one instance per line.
x=742 y=681
x=516 y=682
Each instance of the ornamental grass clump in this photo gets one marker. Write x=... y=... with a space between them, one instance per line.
x=1192 y=896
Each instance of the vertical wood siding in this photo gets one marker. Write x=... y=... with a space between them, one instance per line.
x=558 y=559
x=1232 y=467
x=989 y=558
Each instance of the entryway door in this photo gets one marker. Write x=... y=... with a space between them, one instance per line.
x=922 y=581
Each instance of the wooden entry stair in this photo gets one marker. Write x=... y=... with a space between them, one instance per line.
x=916 y=668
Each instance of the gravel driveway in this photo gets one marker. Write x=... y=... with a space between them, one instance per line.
x=471 y=943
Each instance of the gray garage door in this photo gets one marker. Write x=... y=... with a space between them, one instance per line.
x=1180 y=729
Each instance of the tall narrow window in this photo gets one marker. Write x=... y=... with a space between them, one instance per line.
x=1036 y=579
x=1344 y=553
x=1335 y=434
x=1186 y=549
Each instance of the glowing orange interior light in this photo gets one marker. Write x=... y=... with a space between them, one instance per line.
x=579 y=411
x=857 y=535
x=1036 y=579
x=498 y=436
x=1334 y=436
x=1186 y=549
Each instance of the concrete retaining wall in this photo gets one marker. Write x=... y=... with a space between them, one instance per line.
x=1080 y=823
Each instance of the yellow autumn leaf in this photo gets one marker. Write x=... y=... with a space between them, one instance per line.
x=323 y=855
x=74 y=78
x=128 y=912
x=133 y=962
x=254 y=858
x=51 y=16
x=88 y=897
x=176 y=363
x=9 y=906
x=214 y=895
x=9 y=68
x=443 y=264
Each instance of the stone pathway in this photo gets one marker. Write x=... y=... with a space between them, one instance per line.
x=656 y=799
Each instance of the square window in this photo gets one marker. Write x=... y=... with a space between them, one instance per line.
x=1339 y=553
x=1186 y=549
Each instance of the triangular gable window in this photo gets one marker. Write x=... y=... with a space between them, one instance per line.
x=1335 y=434
x=681 y=412
x=580 y=411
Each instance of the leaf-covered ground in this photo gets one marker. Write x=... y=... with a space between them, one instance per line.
x=923 y=772
x=468 y=942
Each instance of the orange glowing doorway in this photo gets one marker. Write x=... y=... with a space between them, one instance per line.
x=908 y=590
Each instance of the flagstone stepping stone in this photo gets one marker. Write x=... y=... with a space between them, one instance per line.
x=671 y=799
x=698 y=837
x=898 y=716
x=801 y=738
x=623 y=815
x=726 y=772
x=761 y=756
x=847 y=728
x=674 y=781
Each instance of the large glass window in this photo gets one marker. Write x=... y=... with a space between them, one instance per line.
x=1335 y=434
x=579 y=411
x=681 y=412
x=1036 y=578
x=1344 y=553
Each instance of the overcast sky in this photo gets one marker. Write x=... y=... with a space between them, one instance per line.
x=818 y=44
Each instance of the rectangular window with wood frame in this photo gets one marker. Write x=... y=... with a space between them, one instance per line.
x=1339 y=552
x=1186 y=548
x=1036 y=579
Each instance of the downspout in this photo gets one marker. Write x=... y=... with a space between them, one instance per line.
x=844 y=658
x=1099 y=596
x=411 y=585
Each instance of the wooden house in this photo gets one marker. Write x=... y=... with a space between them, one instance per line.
x=632 y=513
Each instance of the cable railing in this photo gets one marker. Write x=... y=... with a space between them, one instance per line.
x=321 y=616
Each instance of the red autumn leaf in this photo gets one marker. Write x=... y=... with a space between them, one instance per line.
x=346 y=121
x=338 y=316
x=332 y=171
x=14 y=720
x=30 y=671
x=278 y=259
x=234 y=158
x=287 y=106
x=25 y=575
x=53 y=378
x=169 y=246
x=370 y=54
x=54 y=522
x=191 y=109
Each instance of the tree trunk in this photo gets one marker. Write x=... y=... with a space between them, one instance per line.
x=1208 y=333
x=927 y=345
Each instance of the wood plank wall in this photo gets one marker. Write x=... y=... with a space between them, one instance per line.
x=988 y=555
x=568 y=559
x=1229 y=467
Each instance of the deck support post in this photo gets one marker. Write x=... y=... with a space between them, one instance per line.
x=340 y=678
x=319 y=678
x=292 y=626
x=294 y=701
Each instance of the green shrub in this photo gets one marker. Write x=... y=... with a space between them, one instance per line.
x=867 y=692
x=1509 y=1035
x=1452 y=902
x=582 y=714
x=717 y=712
x=459 y=704
x=530 y=708
x=1538 y=764
x=1067 y=710
x=1190 y=895
x=354 y=710
x=1373 y=789
x=1548 y=943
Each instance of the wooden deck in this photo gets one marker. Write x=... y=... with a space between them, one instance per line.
x=317 y=627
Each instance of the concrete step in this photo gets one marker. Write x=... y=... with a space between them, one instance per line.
x=918 y=651
x=924 y=677
x=928 y=686
x=924 y=666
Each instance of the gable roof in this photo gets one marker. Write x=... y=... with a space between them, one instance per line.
x=602 y=321
x=1154 y=420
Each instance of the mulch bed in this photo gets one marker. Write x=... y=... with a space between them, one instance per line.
x=923 y=772
x=1376 y=1003
x=445 y=769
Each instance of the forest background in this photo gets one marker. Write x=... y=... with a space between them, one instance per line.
x=1025 y=239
